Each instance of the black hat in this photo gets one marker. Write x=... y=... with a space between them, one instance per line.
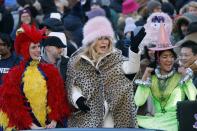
x=26 y=10
x=53 y=41
x=152 y=4
x=168 y=8
x=54 y=23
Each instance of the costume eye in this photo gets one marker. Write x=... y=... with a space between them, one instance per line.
x=155 y=25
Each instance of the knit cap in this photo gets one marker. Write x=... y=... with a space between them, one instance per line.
x=95 y=12
x=151 y=5
x=129 y=25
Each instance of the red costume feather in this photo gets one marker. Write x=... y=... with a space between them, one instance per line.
x=12 y=101
x=27 y=34
x=58 y=102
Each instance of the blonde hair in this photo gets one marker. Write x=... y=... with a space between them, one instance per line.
x=192 y=4
x=185 y=8
x=91 y=53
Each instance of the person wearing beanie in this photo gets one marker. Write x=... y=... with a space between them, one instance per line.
x=25 y=16
x=129 y=25
x=189 y=6
x=123 y=43
x=95 y=12
x=129 y=6
x=55 y=24
x=96 y=81
x=182 y=24
x=111 y=14
x=192 y=7
x=32 y=93
x=153 y=6
x=169 y=9
x=191 y=35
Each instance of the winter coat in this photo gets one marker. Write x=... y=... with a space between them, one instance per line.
x=63 y=67
x=189 y=37
x=73 y=22
x=178 y=35
x=61 y=64
x=104 y=82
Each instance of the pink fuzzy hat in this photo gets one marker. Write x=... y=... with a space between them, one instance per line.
x=129 y=6
x=97 y=27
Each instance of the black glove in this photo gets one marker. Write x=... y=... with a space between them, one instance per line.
x=136 y=38
x=81 y=104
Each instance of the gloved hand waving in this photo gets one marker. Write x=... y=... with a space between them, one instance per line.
x=136 y=38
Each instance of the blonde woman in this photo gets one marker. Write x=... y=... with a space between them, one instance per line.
x=97 y=85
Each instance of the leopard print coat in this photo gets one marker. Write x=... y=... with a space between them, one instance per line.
x=107 y=82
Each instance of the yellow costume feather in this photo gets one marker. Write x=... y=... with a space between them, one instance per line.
x=4 y=121
x=35 y=90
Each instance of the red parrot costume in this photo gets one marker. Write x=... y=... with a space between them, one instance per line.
x=32 y=91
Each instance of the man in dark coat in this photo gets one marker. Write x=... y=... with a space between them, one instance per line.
x=8 y=59
x=52 y=50
x=6 y=19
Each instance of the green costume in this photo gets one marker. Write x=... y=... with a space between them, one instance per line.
x=165 y=94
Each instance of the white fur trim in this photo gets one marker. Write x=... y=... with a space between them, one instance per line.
x=133 y=65
x=129 y=25
x=64 y=52
x=108 y=119
x=76 y=93
x=108 y=122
